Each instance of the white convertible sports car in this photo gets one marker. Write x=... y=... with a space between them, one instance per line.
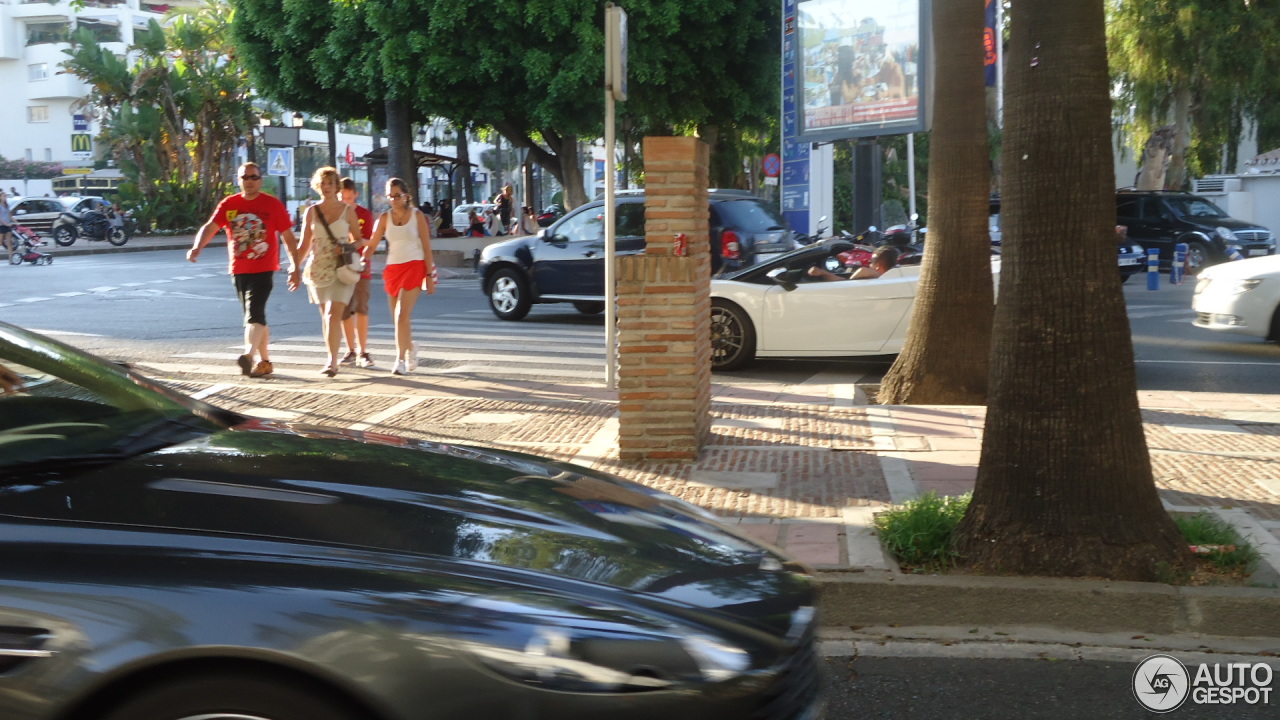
x=1240 y=297
x=777 y=310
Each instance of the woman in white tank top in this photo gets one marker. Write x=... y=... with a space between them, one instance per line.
x=410 y=268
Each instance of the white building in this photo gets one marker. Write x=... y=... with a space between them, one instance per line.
x=38 y=117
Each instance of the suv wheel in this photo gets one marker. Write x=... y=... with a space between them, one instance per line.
x=733 y=338
x=589 y=307
x=509 y=295
x=1198 y=255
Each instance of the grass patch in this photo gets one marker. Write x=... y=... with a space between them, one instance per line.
x=918 y=532
x=1232 y=553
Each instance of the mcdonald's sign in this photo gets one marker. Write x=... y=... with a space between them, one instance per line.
x=81 y=144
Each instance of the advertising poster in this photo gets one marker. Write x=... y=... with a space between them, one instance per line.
x=862 y=65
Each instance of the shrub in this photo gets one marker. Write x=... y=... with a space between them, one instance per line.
x=919 y=531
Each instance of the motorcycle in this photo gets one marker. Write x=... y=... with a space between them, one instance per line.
x=93 y=225
x=550 y=214
x=801 y=239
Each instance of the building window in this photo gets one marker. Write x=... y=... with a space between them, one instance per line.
x=38 y=113
x=30 y=158
x=38 y=71
x=103 y=31
x=51 y=32
x=48 y=154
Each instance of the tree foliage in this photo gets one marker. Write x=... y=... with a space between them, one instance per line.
x=1209 y=55
x=174 y=117
x=31 y=170
x=532 y=70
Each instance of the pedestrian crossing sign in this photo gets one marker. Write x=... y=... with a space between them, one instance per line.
x=279 y=161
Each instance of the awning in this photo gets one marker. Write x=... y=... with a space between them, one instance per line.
x=420 y=157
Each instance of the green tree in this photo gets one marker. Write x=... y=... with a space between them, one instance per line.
x=1198 y=67
x=1064 y=485
x=944 y=360
x=532 y=70
x=174 y=117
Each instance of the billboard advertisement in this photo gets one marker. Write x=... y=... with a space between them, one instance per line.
x=863 y=67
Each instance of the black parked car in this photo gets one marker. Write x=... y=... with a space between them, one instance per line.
x=1131 y=258
x=565 y=262
x=162 y=558
x=1161 y=219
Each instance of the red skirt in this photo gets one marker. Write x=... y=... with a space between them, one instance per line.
x=404 y=276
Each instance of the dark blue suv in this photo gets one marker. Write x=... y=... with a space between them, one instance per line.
x=565 y=262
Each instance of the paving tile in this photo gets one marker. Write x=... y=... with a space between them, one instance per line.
x=763 y=532
x=945 y=487
x=799 y=533
x=826 y=554
x=956 y=443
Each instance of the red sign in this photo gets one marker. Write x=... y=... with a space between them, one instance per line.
x=772 y=165
x=351 y=157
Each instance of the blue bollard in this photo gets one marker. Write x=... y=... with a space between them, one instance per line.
x=1178 y=270
x=1153 y=268
x=1233 y=253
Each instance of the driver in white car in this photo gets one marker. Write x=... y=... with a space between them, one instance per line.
x=883 y=260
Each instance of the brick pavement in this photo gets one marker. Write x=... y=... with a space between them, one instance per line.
x=804 y=466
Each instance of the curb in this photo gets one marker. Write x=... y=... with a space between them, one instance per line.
x=1092 y=606
x=127 y=248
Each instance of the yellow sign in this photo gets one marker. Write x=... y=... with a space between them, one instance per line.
x=76 y=171
x=82 y=143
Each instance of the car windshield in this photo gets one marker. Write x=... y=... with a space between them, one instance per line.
x=75 y=409
x=750 y=215
x=1194 y=207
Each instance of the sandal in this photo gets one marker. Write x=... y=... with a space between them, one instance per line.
x=329 y=370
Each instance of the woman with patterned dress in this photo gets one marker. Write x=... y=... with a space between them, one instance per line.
x=325 y=227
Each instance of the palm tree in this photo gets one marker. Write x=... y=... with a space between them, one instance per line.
x=1064 y=485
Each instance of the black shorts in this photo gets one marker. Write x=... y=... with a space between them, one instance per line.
x=253 y=289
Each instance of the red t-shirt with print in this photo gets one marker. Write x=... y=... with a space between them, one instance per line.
x=366 y=232
x=253 y=231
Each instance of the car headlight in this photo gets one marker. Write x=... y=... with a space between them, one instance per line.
x=1225 y=234
x=579 y=646
x=1234 y=287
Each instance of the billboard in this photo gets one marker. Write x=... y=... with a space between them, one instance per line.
x=863 y=66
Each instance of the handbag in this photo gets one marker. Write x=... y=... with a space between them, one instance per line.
x=352 y=266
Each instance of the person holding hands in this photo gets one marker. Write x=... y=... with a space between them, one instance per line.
x=326 y=227
x=410 y=268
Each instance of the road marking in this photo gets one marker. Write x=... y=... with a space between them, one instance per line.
x=103 y=289
x=62 y=332
x=211 y=390
x=1206 y=362
x=131 y=284
x=157 y=282
x=32 y=299
x=70 y=294
x=1161 y=313
x=389 y=413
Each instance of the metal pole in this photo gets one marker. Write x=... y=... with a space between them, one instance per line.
x=911 y=172
x=610 y=289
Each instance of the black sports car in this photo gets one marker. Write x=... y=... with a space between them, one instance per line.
x=163 y=559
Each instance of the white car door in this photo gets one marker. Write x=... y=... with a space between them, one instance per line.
x=843 y=317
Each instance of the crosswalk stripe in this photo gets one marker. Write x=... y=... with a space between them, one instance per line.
x=1161 y=313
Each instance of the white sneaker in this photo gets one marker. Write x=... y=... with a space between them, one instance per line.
x=365 y=361
x=411 y=362
x=399 y=368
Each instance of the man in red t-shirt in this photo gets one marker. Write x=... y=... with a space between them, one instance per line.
x=255 y=223
x=355 y=320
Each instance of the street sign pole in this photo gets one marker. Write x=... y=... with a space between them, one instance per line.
x=615 y=88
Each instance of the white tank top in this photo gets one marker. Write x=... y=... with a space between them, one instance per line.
x=403 y=243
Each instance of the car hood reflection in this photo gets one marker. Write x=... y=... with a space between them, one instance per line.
x=344 y=488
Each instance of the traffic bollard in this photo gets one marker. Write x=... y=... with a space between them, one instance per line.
x=1233 y=253
x=1177 y=271
x=1153 y=268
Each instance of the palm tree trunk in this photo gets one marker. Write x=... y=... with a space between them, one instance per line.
x=1064 y=485
x=944 y=360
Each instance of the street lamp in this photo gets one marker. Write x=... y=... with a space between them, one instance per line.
x=297 y=119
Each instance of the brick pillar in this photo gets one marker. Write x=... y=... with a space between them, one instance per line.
x=664 y=311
